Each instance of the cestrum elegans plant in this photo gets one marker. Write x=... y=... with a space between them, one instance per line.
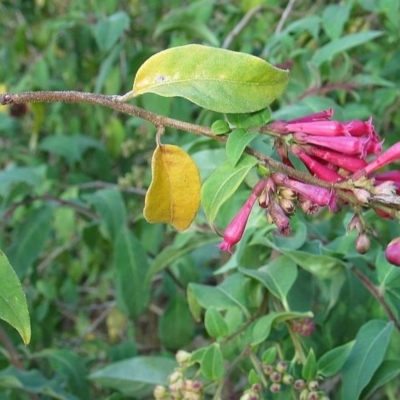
x=344 y=162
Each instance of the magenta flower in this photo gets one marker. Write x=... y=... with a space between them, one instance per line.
x=390 y=155
x=316 y=194
x=319 y=128
x=344 y=161
x=315 y=167
x=360 y=128
x=392 y=252
x=234 y=232
x=344 y=144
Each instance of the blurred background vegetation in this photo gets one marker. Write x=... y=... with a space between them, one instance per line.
x=73 y=176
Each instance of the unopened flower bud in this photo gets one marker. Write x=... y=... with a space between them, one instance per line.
x=304 y=394
x=279 y=217
x=363 y=243
x=281 y=366
x=299 y=384
x=263 y=199
x=182 y=356
x=304 y=326
x=275 y=377
x=362 y=195
x=275 y=387
x=256 y=387
x=286 y=193
x=313 y=385
x=313 y=396
x=355 y=223
x=174 y=377
x=392 y=252
x=159 y=392
x=268 y=369
x=287 y=206
x=287 y=379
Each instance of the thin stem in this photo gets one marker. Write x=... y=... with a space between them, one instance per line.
x=376 y=293
x=284 y=16
x=241 y=25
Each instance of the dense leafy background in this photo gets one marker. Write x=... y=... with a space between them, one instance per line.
x=106 y=290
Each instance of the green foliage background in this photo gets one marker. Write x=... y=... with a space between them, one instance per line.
x=103 y=286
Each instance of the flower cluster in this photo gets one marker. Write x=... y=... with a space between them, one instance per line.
x=345 y=156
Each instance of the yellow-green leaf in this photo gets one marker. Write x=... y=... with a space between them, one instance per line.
x=13 y=304
x=174 y=194
x=220 y=80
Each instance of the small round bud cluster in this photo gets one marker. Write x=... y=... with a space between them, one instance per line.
x=278 y=376
x=303 y=326
x=253 y=393
x=179 y=387
x=309 y=390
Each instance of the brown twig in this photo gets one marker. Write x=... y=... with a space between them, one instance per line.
x=376 y=293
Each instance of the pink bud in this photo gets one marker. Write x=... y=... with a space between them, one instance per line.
x=234 y=232
x=360 y=128
x=319 y=170
x=279 y=217
x=355 y=223
x=319 y=128
x=344 y=144
x=390 y=155
x=362 y=195
x=318 y=116
x=392 y=252
x=362 y=243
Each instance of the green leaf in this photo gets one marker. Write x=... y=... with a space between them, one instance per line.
x=130 y=261
x=332 y=361
x=263 y=326
x=33 y=381
x=217 y=79
x=110 y=206
x=72 y=366
x=278 y=276
x=387 y=371
x=176 y=315
x=29 y=239
x=365 y=357
x=136 y=376
x=70 y=147
x=327 y=52
x=220 y=127
x=212 y=362
x=269 y=355
x=13 y=304
x=172 y=253
x=334 y=18
x=309 y=370
x=250 y=120
x=108 y=30
x=191 y=19
x=222 y=184
x=236 y=144
x=214 y=323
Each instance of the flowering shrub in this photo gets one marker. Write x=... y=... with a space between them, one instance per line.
x=242 y=120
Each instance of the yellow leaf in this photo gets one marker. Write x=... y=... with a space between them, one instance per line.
x=174 y=194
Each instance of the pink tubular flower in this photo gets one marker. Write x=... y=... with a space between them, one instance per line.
x=390 y=155
x=234 y=232
x=279 y=217
x=344 y=161
x=344 y=144
x=318 y=116
x=315 y=167
x=392 y=252
x=360 y=128
x=318 y=195
x=319 y=128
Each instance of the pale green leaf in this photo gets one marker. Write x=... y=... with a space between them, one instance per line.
x=13 y=304
x=223 y=183
x=217 y=79
x=236 y=144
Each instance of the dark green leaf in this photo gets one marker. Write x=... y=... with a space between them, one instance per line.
x=309 y=370
x=332 y=361
x=222 y=184
x=110 y=206
x=176 y=315
x=212 y=363
x=131 y=266
x=214 y=323
x=237 y=142
x=108 y=30
x=365 y=357
x=13 y=304
x=251 y=120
